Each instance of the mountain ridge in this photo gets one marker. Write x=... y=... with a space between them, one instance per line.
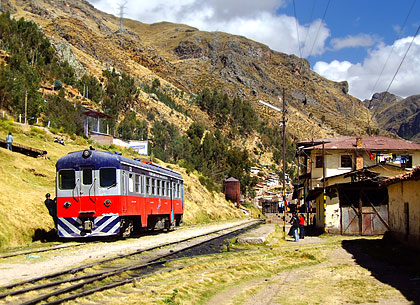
x=189 y=60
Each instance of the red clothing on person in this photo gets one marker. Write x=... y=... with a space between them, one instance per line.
x=301 y=220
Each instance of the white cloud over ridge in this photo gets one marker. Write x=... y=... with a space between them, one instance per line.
x=256 y=20
x=353 y=41
x=260 y=21
x=363 y=77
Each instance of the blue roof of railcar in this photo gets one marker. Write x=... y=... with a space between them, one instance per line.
x=99 y=159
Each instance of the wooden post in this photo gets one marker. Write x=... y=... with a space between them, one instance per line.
x=323 y=187
x=26 y=106
x=360 y=215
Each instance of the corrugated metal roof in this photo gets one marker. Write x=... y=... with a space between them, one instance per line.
x=231 y=179
x=378 y=143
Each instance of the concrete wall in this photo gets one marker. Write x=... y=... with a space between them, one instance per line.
x=402 y=195
x=332 y=214
x=102 y=139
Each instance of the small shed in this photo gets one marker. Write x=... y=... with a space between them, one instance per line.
x=404 y=207
x=232 y=188
x=97 y=116
x=93 y=130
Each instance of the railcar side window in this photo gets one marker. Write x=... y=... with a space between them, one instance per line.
x=138 y=184
x=108 y=177
x=87 y=176
x=164 y=188
x=148 y=185
x=158 y=182
x=153 y=186
x=66 y=179
x=130 y=183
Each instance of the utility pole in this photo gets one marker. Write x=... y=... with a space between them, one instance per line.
x=283 y=111
x=284 y=168
x=122 y=7
x=323 y=187
x=26 y=106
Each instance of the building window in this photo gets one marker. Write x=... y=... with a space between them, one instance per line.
x=318 y=161
x=346 y=161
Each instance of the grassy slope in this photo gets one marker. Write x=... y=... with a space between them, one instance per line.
x=24 y=181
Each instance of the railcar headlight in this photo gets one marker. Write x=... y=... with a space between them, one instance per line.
x=107 y=203
x=67 y=204
x=86 y=153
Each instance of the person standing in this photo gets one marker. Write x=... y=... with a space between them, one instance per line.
x=295 y=226
x=52 y=207
x=9 y=141
x=302 y=226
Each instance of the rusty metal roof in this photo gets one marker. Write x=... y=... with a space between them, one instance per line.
x=378 y=143
x=95 y=114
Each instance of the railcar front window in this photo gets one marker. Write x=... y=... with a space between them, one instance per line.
x=108 y=177
x=87 y=176
x=66 y=179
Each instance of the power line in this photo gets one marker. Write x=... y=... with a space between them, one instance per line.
x=310 y=18
x=408 y=49
x=316 y=36
x=392 y=49
x=297 y=28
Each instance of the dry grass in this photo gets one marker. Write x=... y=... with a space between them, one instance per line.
x=322 y=273
x=202 y=277
x=26 y=180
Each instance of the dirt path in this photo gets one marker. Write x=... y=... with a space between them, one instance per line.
x=30 y=266
x=287 y=287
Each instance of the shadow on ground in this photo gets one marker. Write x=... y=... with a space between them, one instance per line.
x=45 y=236
x=389 y=262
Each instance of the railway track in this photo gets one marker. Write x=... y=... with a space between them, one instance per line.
x=109 y=273
x=52 y=248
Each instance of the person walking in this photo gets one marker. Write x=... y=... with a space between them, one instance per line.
x=295 y=226
x=301 y=226
x=9 y=141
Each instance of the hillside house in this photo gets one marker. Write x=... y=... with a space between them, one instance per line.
x=404 y=207
x=354 y=167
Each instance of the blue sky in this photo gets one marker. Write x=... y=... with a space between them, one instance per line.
x=357 y=41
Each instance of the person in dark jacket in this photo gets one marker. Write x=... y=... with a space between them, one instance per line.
x=52 y=207
x=295 y=226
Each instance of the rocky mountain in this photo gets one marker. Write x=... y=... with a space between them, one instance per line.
x=188 y=60
x=397 y=115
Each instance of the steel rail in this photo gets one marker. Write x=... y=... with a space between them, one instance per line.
x=126 y=281
x=109 y=272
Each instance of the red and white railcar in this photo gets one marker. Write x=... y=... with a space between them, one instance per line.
x=101 y=193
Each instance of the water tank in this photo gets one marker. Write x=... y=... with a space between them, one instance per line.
x=233 y=190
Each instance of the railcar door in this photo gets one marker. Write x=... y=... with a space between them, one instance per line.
x=87 y=182
x=124 y=191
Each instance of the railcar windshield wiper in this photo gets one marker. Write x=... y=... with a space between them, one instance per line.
x=112 y=185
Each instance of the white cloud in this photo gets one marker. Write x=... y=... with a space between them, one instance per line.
x=362 y=77
x=353 y=41
x=256 y=20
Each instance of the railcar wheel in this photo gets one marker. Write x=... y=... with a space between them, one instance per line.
x=126 y=228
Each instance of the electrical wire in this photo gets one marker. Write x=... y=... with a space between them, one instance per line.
x=408 y=49
x=297 y=28
x=319 y=28
x=392 y=49
x=310 y=18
